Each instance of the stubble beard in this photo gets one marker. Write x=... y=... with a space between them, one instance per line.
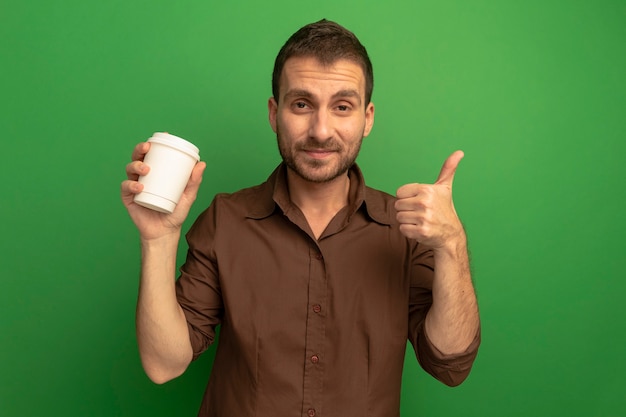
x=312 y=169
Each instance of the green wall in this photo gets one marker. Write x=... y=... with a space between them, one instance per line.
x=533 y=91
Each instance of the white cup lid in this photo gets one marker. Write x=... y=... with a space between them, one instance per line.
x=176 y=143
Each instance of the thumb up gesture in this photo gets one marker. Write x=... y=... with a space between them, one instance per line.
x=426 y=211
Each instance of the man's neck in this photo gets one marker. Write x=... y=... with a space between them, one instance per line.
x=319 y=202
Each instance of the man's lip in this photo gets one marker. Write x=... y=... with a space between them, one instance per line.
x=318 y=153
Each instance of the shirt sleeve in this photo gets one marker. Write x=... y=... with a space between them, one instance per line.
x=452 y=370
x=197 y=288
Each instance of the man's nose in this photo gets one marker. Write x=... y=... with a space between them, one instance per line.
x=320 y=126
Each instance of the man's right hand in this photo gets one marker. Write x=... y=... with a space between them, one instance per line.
x=162 y=335
x=153 y=224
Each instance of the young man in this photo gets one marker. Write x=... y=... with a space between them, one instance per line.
x=315 y=279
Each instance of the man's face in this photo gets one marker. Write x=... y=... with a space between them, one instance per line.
x=321 y=117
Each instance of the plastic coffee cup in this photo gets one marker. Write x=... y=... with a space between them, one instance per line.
x=171 y=160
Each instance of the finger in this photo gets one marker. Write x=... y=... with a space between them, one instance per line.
x=410 y=204
x=411 y=231
x=198 y=170
x=446 y=176
x=140 y=151
x=129 y=189
x=135 y=169
x=191 y=190
x=409 y=217
x=196 y=178
x=408 y=190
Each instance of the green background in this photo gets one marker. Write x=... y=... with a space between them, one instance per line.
x=533 y=92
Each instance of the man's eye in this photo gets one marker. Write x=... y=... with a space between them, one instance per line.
x=342 y=108
x=300 y=105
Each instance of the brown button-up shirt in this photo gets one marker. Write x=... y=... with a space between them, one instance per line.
x=308 y=327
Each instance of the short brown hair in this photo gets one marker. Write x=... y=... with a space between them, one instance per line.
x=328 y=42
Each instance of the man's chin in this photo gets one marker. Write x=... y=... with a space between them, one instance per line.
x=316 y=173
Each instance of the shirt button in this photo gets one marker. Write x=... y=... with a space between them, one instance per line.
x=317 y=308
x=315 y=359
x=311 y=412
x=319 y=256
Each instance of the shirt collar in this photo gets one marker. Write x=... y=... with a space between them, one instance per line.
x=273 y=195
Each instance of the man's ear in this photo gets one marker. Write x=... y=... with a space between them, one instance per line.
x=272 y=110
x=369 y=119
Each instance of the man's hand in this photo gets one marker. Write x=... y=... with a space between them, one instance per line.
x=426 y=211
x=162 y=334
x=153 y=224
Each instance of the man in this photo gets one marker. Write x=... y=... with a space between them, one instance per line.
x=315 y=279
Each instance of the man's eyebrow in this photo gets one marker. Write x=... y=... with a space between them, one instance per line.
x=298 y=93
x=348 y=94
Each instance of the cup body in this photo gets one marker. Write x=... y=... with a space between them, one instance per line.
x=171 y=160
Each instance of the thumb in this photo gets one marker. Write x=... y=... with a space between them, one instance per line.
x=196 y=176
x=191 y=190
x=446 y=176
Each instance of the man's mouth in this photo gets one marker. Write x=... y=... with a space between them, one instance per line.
x=319 y=153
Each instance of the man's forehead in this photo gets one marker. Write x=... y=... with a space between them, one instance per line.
x=299 y=71
x=314 y=64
